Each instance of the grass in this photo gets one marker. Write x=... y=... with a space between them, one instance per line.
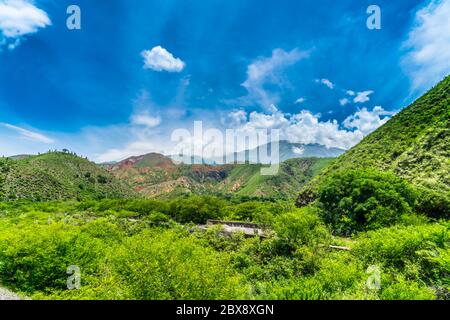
x=413 y=145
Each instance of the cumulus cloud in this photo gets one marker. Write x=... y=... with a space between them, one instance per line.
x=307 y=128
x=267 y=70
x=303 y=127
x=343 y=101
x=326 y=82
x=298 y=150
x=367 y=121
x=19 y=18
x=29 y=135
x=428 y=58
x=363 y=96
x=234 y=118
x=159 y=59
x=350 y=93
x=145 y=119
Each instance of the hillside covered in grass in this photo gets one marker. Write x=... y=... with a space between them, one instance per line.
x=413 y=145
x=55 y=176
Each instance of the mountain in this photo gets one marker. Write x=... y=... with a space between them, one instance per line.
x=286 y=149
x=292 y=175
x=414 y=144
x=57 y=175
x=157 y=176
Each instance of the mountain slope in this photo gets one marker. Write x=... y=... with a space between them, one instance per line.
x=156 y=176
x=288 y=150
x=414 y=144
x=57 y=175
x=292 y=175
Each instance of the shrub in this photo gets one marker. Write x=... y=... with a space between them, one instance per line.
x=359 y=200
x=419 y=252
x=433 y=204
x=197 y=209
x=169 y=265
x=407 y=290
x=302 y=227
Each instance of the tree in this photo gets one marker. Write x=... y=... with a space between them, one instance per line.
x=358 y=200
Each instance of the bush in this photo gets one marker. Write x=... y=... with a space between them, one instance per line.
x=359 y=200
x=407 y=290
x=302 y=227
x=197 y=209
x=256 y=211
x=168 y=265
x=35 y=256
x=433 y=204
x=420 y=253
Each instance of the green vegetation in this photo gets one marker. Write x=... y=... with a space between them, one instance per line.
x=361 y=200
x=373 y=223
x=413 y=145
x=57 y=175
x=156 y=176
x=149 y=249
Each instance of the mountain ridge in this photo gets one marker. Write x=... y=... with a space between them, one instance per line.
x=287 y=150
x=414 y=145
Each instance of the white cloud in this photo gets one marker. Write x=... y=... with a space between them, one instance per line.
x=159 y=59
x=350 y=93
x=363 y=96
x=367 y=121
x=120 y=142
x=303 y=127
x=428 y=58
x=234 y=118
x=343 y=101
x=298 y=150
x=29 y=135
x=132 y=149
x=19 y=18
x=326 y=82
x=267 y=70
x=306 y=127
x=145 y=119
x=300 y=100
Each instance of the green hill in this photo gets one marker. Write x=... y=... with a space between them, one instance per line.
x=57 y=175
x=293 y=174
x=414 y=145
x=156 y=176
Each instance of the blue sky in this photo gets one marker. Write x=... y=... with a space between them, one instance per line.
x=139 y=69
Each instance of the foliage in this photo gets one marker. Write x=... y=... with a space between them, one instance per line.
x=359 y=200
x=412 y=145
x=57 y=176
x=157 y=177
x=133 y=249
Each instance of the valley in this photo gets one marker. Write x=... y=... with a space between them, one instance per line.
x=151 y=228
x=157 y=176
